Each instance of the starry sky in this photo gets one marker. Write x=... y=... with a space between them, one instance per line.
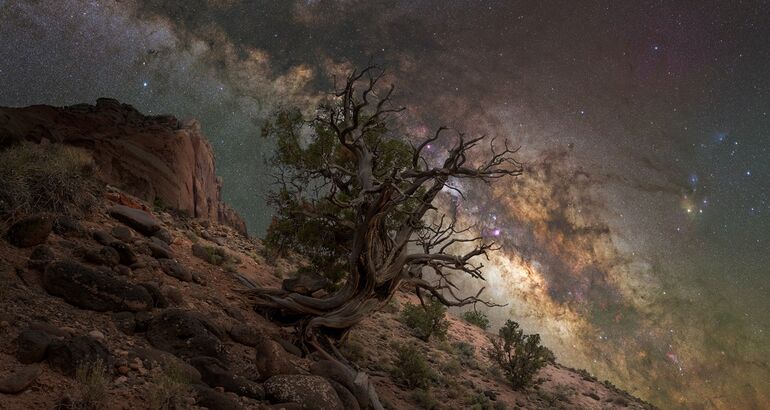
x=638 y=241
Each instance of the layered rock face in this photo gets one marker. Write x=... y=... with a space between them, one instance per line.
x=156 y=158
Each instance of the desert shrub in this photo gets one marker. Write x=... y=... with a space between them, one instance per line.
x=466 y=354
x=424 y=399
x=46 y=178
x=520 y=356
x=426 y=320
x=477 y=318
x=411 y=368
x=169 y=388
x=354 y=350
x=91 y=386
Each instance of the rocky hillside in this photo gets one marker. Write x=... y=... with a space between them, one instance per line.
x=133 y=306
x=159 y=159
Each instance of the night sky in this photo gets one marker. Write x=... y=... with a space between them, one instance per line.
x=638 y=241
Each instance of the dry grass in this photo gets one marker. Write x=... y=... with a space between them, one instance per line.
x=51 y=178
x=169 y=389
x=91 y=387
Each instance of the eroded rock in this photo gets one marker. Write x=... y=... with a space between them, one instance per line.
x=310 y=392
x=185 y=334
x=142 y=221
x=30 y=231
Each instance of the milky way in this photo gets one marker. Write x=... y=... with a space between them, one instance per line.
x=637 y=242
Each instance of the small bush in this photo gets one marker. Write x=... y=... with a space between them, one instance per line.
x=477 y=318
x=51 y=178
x=169 y=388
x=424 y=399
x=410 y=367
x=427 y=320
x=520 y=356
x=466 y=353
x=91 y=387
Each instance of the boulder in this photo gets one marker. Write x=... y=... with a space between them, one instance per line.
x=19 y=380
x=95 y=290
x=164 y=235
x=103 y=237
x=30 y=231
x=142 y=221
x=214 y=400
x=340 y=374
x=159 y=249
x=124 y=321
x=273 y=360
x=215 y=374
x=185 y=334
x=310 y=392
x=31 y=346
x=174 y=269
x=127 y=255
x=106 y=256
x=305 y=283
x=158 y=300
x=68 y=355
x=245 y=335
x=154 y=357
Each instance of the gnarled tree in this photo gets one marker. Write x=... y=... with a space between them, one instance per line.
x=360 y=204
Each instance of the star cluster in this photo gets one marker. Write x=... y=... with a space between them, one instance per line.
x=638 y=241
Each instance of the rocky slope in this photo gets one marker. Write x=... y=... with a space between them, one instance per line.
x=158 y=159
x=136 y=307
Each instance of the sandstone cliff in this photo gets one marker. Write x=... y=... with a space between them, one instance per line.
x=156 y=158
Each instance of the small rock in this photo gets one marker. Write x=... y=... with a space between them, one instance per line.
x=97 y=335
x=185 y=334
x=30 y=231
x=164 y=235
x=103 y=237
x=199 y=279
x=173 y=294
x=31 y=346
x=123 y=270
x=176 y=270
x=159 y=301
x=214 y=400
x=159 y=249
x=122 y=233
x=127 y=255
x=123 y=370
x=305 y=283
x=121 y=380
x=19 y=380
x=141 y=221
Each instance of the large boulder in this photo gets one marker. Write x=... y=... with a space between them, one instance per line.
x=30 y=231
x=216 y=374
x=92 y=289
x=68 y=355
x=31 y=346
x=142 y=221
x=214 y=400
x=310 y=392
x=174 y=269
x=185 y=334
x=272 y=359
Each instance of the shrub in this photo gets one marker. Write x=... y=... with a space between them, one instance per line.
x=46 y=178
x=520 y=356
x=91 y=387
x=424 y=399
x=477 y=318
x=169 y=388
x=426 y=320
x=410 y=367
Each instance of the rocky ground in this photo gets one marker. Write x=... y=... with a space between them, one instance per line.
x=158 y=301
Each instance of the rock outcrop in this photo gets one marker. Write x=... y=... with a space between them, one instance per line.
x=156 y=158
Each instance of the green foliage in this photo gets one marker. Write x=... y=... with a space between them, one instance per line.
x=410 y=367
x=46 y=178
x=477 y=318
x=466 y=354
x=520 y=356
x=427 y=320
x=307 y=221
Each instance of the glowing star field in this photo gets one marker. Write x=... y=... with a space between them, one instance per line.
x=638 y=241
